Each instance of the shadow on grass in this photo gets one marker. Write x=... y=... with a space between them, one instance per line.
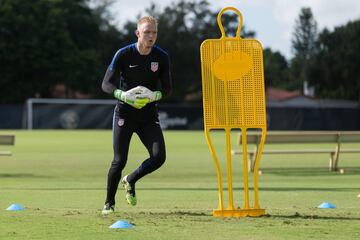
x=301 y=216
x=319 y=171
x=21 y=175
x=180 y=213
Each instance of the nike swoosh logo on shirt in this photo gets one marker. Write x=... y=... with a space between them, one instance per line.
x=132 y=66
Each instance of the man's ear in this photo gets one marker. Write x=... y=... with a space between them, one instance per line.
x=137 y=33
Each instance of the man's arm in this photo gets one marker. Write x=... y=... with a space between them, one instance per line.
x=166 y=80
x=108 y=85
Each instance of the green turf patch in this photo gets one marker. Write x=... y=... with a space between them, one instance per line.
x=60 y=178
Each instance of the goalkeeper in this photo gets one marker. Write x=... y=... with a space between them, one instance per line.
x=138 y=76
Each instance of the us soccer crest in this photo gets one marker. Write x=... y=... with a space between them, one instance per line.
x=154 y=66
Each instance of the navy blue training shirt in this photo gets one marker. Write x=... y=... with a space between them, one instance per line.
x=129 y=69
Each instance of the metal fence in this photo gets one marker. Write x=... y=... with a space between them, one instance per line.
x=97 y=114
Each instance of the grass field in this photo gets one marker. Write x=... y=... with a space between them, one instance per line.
x=60 y=177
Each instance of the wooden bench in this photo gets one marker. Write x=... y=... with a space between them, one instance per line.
x=6 y=140
x=298 y=137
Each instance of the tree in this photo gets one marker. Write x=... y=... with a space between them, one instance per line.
x=43 y=43
x=303 y=45
x=335 y=68
x=276 y=69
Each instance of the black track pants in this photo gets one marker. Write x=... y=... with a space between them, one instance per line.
x=151 y=136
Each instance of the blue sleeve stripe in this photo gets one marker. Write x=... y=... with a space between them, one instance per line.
x=116 y=56
x=161 y=50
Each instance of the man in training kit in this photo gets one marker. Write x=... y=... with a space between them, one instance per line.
x=138 y=76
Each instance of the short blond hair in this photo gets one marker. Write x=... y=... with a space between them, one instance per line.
x=147 y=19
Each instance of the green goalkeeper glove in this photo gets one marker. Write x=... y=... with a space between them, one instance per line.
x=131 y=97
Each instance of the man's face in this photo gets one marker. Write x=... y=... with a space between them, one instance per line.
x=147 y=34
